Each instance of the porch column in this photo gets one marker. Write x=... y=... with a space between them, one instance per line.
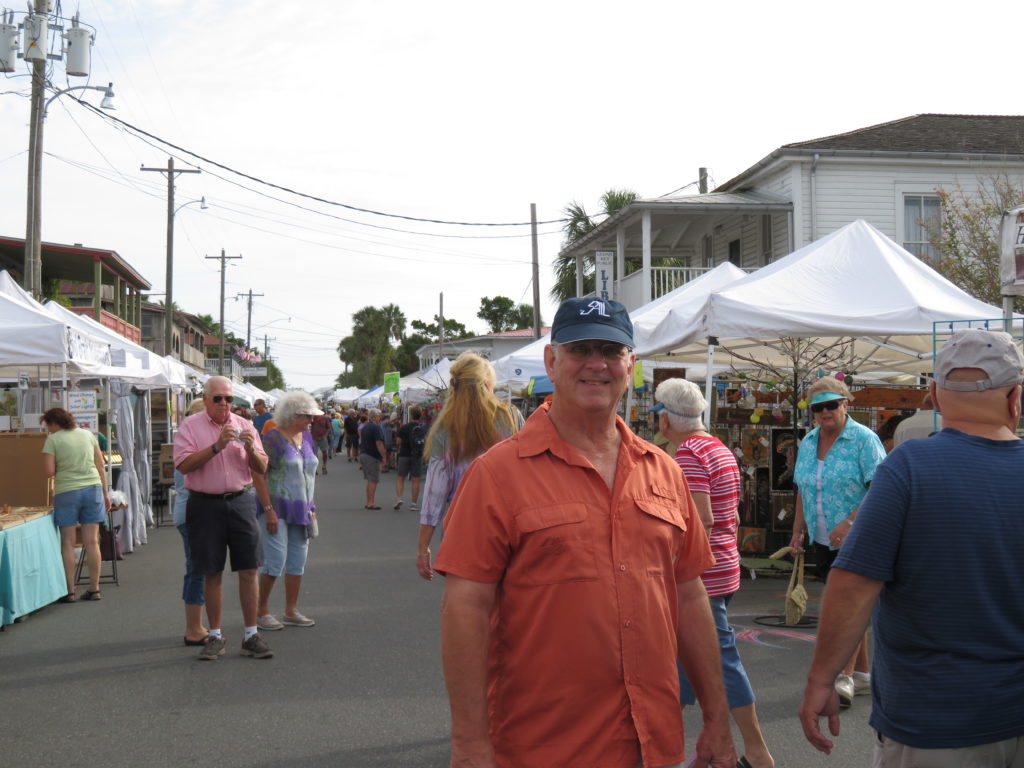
x=97 y=289
x=620 y=260
x=645 y=228
x=118 y=296
x=579 y=274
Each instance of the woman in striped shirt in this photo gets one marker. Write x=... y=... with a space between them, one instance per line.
x=713 y=477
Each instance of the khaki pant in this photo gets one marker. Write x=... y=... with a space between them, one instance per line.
x=998 y=754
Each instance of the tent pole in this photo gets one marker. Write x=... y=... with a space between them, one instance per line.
x=708 y=382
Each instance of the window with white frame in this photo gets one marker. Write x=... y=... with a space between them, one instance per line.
x=921 y=217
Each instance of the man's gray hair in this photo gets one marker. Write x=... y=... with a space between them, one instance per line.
x=208 y=384
x=684 y=404
x=293 y=403
x=373 y=413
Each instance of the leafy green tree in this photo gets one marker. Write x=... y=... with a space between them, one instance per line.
x=453 y=329
x=502 y=314
x=966 y=236
x=579 y=224
x=368 y=349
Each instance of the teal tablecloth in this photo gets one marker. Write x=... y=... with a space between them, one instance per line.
x=31 y=570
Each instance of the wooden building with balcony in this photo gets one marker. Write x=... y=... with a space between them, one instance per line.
x=74 y=272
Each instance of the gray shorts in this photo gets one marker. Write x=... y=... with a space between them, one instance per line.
x=409 y=466
x=370 y=467
x=324 y=445
x=891 y=754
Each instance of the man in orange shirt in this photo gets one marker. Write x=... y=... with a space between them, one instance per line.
x=573 y=555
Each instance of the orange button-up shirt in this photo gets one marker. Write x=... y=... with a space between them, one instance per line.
x=582 y=670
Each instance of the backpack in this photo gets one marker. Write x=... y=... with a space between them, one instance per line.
x=417 y=440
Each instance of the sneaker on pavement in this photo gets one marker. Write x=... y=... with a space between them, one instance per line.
x=861 y=686
x=414 y=507
x=845 y=689
x=298 y=620
x=256 y=647
x=398 y=504
x=268 y=623
x=212 y=648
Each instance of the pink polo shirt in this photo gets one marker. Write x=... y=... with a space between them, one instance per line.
x=228 y=470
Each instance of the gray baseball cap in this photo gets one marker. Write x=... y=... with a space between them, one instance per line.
x=994 y=352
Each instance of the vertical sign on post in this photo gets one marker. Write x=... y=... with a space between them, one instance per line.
x=1012 y=252
x=604 y=274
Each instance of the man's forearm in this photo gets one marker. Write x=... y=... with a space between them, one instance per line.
x=698 y=650
x=845 y=612
x=465 y=639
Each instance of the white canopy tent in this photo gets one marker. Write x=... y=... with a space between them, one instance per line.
x=371 y=397
x=346 y=395
x=854 y=283
x=416 y=387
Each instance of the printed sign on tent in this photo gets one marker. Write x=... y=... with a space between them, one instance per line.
x=391 y=380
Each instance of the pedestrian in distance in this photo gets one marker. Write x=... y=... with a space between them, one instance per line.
x=933 y=562
x=262 y=415
x=219 y=452
x=472 y=420
x=713 y=476
x=572 y=554
x=371 y=454
x=835 y=464
x=321 y=432
x=351 y=426
x=412 y=438
x=71 y=455
x=286 y=499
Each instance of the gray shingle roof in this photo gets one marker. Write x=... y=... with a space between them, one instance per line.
x=982 y=134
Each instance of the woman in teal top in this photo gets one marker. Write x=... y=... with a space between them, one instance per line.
x=834 y=466
x=72 y=456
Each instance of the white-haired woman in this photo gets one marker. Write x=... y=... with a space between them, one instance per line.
x=834 y=466
x=713 y=477
x=286 y=497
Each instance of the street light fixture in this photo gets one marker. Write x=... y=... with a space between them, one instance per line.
x=169 y=284
x=33 y=230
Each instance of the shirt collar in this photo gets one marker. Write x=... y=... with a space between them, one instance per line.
x=539 y=435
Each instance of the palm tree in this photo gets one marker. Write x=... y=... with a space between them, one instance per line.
x=578 y=224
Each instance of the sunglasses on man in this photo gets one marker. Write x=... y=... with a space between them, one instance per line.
x=609 y=350
x=223 y=398
x=828 y=405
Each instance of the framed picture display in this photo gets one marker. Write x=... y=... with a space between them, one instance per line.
x=782 y=458
x=783 y=511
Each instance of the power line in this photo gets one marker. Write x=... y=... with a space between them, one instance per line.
x=347 y=206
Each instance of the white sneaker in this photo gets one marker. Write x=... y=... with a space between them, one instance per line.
x=414 y=507
x=398 y=504
x=845 y=689
x=861 y=685
x=298 y=620
x=268 y=623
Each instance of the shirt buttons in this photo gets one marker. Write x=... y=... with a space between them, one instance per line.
x=627 y=623
x=622 y=567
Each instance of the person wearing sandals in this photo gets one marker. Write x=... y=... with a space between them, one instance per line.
x=192 y=586
x=72 y=457
x=472 y=420
x=286 y=499
x=713 y=477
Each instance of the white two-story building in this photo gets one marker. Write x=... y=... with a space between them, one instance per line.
x=887 y=174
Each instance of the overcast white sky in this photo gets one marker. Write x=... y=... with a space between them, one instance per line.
x=461 y=111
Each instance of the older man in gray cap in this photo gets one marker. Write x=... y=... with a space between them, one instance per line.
x=573 y=555
x=937 y=546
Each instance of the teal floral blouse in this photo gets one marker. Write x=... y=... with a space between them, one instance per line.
x=849 y=466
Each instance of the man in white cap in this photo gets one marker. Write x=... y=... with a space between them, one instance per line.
x=573 y=553
x=937 y=546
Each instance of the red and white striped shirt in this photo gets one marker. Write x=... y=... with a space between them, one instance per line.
x=711 y=468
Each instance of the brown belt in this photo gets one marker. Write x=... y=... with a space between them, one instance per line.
x=228 y=495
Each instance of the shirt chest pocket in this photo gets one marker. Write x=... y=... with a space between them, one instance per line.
x=555 y=545
x=663 y=526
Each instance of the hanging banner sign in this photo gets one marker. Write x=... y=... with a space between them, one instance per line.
x=605 y=274
x=391 y=381
x=1011 y=253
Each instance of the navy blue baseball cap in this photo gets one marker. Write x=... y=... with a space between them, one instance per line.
x=603 y=319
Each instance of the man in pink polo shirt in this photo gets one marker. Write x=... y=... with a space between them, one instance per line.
x=218 y=452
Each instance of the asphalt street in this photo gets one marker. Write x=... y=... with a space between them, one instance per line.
x=111 y=684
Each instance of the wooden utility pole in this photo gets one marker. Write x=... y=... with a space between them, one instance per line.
x=169 y=281
x=440 y=331
x=536 y=271
x=223 y=265
x=248 y=325
x=33 y=268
